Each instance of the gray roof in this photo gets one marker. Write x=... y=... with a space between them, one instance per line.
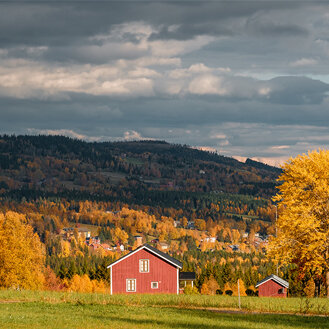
x=164 y=255
x=155 y=251
x=275 y=278
x=187 y=276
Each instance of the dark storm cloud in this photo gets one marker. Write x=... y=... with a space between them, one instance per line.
x=297 y=91
x=225 y=19
x=268 y=27
x=59 y=23
x=243 y=77
x=175 y=112
x=188 y=31
x=62 y=24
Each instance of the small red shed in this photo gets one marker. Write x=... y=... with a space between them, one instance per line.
x=272 y=286
x=145 y=270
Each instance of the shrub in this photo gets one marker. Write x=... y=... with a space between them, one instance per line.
x=219 y=292
x=189 y=290
x=52 y=282
x=209 y=287
x=84 y=284
x=250 y=292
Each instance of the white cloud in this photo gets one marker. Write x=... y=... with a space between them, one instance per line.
x=28 y=80
x=139 y=29
x=62 y=132
x=303 y=62
x=171 y=48
x=207 y=85
x=155 y=61
x=206 y=148
x=272 y=161
x=218 y=136
x=143 y=72
x=264 y=91
x=194 y=69
x=239 y=158
x=280 y=147
x=132 y=135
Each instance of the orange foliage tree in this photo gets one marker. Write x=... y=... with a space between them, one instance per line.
x=21 y=253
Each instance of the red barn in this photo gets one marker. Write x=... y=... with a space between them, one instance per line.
x=272 y=286
x=145 y=270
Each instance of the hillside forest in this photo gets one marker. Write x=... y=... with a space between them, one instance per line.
x=88 y=204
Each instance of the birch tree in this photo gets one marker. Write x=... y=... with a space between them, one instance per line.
x=303 y=224
x=21 y=253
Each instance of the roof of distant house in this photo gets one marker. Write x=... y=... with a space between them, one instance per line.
x=82 y=229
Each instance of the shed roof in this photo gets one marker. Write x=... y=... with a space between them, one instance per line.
x=275 y=278
x=154 y=251
x=187 y=276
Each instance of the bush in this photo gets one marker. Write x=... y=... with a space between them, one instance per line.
x=250 y=292
x=219 y=292
x=229 y=292
x=84 y=284
x=52 y=282
x=189 y=290
x=209 y=287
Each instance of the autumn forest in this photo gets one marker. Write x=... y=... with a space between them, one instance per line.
x=77 y=206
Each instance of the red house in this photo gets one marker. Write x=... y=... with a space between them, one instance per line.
x=145 y=270
x=272 y=286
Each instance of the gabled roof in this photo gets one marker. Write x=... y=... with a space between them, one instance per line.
x=154 y=251
x=275 y=278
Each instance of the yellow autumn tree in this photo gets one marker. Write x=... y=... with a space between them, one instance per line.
x=84 y=284
x=303 y=223
x=209 y=287
x=235 y=288
x=21 y=253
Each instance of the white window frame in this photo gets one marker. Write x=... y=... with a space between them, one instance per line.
x=142 y=268
x=157 y=285
x=130 y=285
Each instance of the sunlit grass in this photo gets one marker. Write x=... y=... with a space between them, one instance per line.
x=38 y=315
x=250 y=304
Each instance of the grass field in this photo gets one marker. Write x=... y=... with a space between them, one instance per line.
x=26 y=309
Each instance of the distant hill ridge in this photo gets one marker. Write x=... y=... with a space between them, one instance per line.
x=49 y=144
x=58 y=163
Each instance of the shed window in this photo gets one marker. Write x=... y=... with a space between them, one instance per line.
x=144 y=265
x=154 y=285
x=281 y=291
x=131 y=285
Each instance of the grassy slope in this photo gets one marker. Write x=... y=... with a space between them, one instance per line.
x=72 y=310
x=67 y=315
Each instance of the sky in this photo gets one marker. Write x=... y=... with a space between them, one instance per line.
x=243 y=78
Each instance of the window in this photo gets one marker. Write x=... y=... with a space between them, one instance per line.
x=154 y=285
x=144 y=266
x=131 y=285
x=281 y=291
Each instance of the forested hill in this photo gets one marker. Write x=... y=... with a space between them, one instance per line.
x=57 y=163
x=155 y=176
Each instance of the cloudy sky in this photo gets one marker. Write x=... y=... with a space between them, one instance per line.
x=245 y=78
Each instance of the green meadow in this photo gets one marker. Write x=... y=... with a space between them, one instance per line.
x=36 y=309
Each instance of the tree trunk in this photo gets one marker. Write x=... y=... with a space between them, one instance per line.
x=327 y=281
x=317 y=287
